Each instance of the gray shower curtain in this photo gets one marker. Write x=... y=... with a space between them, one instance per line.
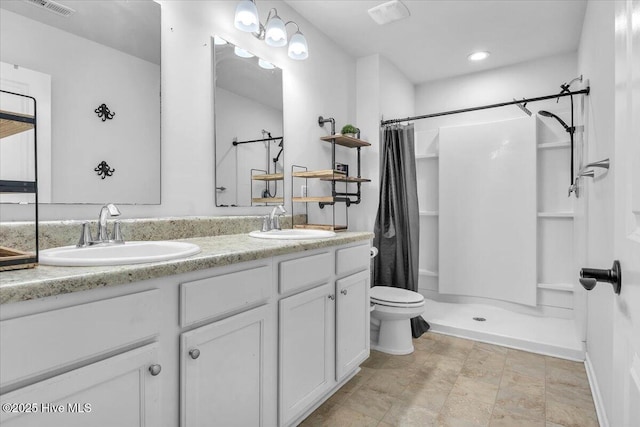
x=397 y=226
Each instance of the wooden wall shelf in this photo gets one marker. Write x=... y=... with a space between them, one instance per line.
x=268 y=177
x=329 y=227
x=326 y=173
x=346 y=141
x=279 y=200
x=14 y=123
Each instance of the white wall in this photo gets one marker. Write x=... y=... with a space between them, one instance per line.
x=85 y=74
x=383 y=92
x=324 y=84
x=596 y=61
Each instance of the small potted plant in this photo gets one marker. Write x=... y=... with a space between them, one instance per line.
x=350 y=130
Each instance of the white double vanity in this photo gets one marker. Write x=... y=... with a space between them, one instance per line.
x=247 y=333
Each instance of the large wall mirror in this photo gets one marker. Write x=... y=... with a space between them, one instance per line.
x=249 y=143
x=94 y=69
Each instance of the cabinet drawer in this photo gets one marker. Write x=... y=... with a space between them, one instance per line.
x=355 y=258
x=304 y=272
x=215 y=296
x=39 y=343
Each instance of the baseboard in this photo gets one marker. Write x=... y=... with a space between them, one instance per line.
x=595 y=392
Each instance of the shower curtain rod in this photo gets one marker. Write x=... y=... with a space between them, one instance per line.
x=257 y=140
x=484 y=107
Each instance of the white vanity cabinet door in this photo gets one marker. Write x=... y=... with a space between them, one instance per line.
x=352 y=322
x=118 y=391
x=307 y=349
x=227 y=376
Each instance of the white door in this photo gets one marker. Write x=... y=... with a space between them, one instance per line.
x=119 y=391
x=352 y=322
x=626 y=167
x=307 y=349
x=224 y=372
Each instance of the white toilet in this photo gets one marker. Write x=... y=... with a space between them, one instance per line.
x=390 y=325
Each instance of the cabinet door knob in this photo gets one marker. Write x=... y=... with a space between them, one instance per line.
x=195 y=353
x=155 y=369
x=332 y=297
x=343 y=292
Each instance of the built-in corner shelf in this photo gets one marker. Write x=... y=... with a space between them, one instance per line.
x=564 y=215
x=268 y=177
x=565 y=287
x=329 y=227
x=428 y=213
x=279 y=200
x=345 y=141
x=426 y=156
x=428 y=273
x=551 y=145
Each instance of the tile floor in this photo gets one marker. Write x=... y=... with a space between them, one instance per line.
x=451 y=381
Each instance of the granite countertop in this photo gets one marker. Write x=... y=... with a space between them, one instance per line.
x=217 y=251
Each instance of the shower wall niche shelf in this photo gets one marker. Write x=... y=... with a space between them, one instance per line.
x=331 y=175
x=12 y=124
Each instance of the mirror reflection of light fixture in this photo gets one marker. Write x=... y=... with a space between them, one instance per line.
x=274 y=32
x=242 y=53
x=265 y=64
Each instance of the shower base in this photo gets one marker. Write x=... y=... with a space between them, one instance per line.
x=544 y=335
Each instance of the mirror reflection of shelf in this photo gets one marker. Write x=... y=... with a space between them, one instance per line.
x=346 y=179
x=278 y=200
x=329 y=227
x=346 y=141
x=323 y=199
x=14 y=123
x=268 y=177
x=327 y=174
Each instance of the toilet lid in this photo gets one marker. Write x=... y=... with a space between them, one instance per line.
x=390 y=295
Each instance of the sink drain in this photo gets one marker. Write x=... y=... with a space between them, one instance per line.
x=479 y=319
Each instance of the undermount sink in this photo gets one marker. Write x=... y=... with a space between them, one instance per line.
x=117 y=254
x=293 y=234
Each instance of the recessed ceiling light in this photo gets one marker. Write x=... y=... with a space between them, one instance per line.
x=478 y=56
x=388 y=12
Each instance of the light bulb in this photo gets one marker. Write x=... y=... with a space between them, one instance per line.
x=298 y=47
x=275 y=33
x=478 y=56
x=246 y=18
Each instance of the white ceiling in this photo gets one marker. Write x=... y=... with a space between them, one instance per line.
x=132 y=27
x=434 y=42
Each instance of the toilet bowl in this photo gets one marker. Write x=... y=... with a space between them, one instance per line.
x=390 y=325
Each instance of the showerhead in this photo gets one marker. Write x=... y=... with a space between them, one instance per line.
x=548 y=114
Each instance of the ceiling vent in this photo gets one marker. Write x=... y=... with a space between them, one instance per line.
x=390 y=11
x=52 y=7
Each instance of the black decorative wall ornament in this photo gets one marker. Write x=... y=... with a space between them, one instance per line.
x=104 y=170
x=103 y=112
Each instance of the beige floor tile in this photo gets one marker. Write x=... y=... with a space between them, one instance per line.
x=521 y=403
x=503 y=418
x=474 y=389
x=450 y=381
x=483 y=370
x=429 y=396
x=388 y=383
x=460 y=409
x=339 y=416
x=402 y=414
x=570 y=415
x=376 y=359
x=369 y=402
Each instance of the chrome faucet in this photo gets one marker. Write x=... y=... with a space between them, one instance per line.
x=272 y=221
x=108 y=210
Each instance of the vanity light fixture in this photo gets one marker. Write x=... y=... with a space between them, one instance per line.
x=478 y=56
x=274 y=32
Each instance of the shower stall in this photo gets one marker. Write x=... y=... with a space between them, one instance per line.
x=501 y=226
